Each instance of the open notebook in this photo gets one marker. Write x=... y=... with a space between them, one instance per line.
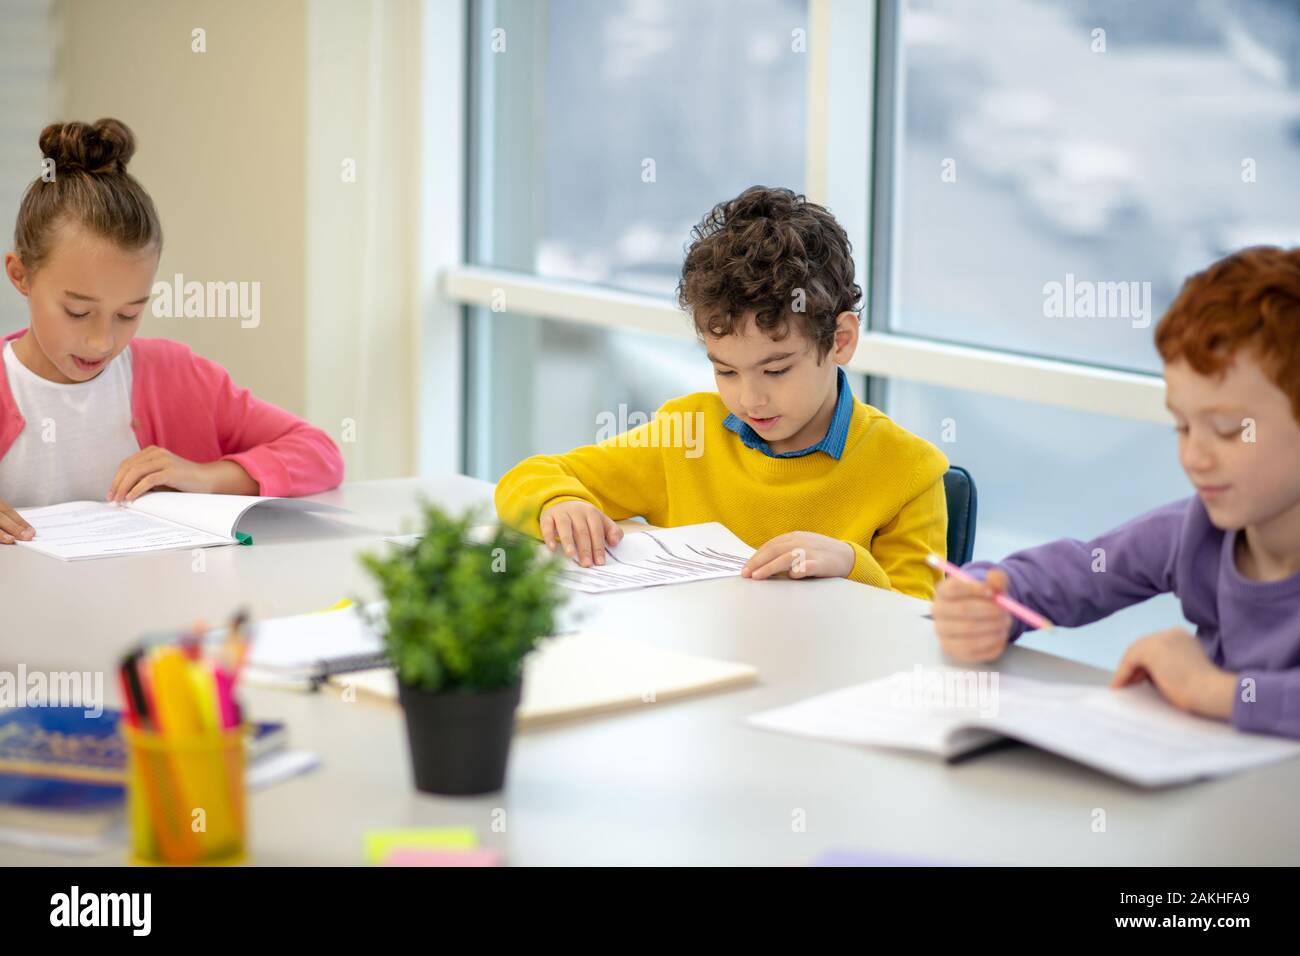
x=582 y=674
x=1130 y=733
x=157 y=521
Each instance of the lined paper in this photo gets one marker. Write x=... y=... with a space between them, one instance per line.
x=157 y=521
x=78 y=530
x=644 y=559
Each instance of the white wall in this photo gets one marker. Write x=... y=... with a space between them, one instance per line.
x=241 y=147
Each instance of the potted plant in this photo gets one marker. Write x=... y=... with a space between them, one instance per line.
x=463 y=613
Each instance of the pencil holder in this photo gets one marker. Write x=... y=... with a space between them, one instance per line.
x=185 y=798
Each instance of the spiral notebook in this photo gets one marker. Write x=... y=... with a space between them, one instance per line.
x=304 y=649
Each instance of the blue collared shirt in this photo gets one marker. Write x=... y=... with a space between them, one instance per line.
x=833 y=441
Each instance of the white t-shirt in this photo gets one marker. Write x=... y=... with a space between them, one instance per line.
x=75 y=438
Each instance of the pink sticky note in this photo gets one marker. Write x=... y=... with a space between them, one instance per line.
x=443 y=858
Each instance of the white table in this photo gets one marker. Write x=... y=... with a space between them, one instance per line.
x=678 y=782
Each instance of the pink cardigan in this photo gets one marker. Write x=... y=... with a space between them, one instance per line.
x=188 y=404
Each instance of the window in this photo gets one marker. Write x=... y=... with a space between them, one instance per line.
x=27 y=79
x=1044 y=473
x=1035 y=149
x=1100 y=150
x=604 y=130
x=1041 y=176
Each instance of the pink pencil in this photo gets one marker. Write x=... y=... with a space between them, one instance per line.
x=1014 y=608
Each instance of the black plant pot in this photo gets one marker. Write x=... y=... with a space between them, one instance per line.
x=460 y=740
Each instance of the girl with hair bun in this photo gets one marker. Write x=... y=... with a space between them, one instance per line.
x=88 y=409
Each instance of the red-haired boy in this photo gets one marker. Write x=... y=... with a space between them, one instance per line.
x=1231 y=347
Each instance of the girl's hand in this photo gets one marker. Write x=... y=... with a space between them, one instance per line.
x=13 y=527
x=1175 y=662
x=582 y=529
x=971 y=628
x=155 y=467
x=801 y=554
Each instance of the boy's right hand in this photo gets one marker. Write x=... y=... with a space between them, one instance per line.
x=582 y=529
x=13 y=526
x=971 y=627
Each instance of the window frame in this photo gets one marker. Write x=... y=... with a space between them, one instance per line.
x=849 y=167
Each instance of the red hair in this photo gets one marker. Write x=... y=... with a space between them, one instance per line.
x=1248 y=300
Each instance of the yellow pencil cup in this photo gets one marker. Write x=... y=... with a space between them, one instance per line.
x=185 y=798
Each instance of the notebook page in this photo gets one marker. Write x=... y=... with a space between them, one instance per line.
x=216 y=514
x=642 y=559
x=1135 y=734
x=77 y=530
x=875 y=714
x=301 y=642
x=1131 y=733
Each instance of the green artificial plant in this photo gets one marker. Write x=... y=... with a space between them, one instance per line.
x=462 y=614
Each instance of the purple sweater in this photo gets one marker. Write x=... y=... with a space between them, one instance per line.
x=1250 y=627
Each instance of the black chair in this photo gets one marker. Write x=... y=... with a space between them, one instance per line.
x=959 y=489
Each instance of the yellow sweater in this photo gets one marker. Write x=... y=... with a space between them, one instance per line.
x=884 y=495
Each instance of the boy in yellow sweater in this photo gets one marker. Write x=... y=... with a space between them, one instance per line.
x=783 y=454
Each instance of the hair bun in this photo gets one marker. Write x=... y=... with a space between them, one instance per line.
x=102 y=147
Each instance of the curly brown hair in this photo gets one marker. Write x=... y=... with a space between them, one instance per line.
x=769 y=251
x=1248 y=300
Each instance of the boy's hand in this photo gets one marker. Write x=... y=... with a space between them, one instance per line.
x=13 y=527
x=155 y=467
x=801 y=554
x=582 y=529
x=1175 y=662
x=971 y=627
